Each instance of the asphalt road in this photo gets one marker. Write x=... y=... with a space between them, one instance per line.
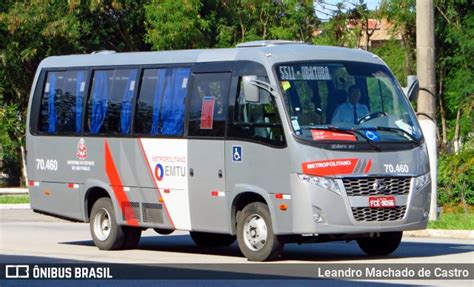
x=26 y=237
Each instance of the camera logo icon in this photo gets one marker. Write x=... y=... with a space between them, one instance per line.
x=17 y=271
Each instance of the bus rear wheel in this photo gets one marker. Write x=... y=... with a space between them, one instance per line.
x=106 y=233
x=385 y=244
x=132 y=236
x=255 y=233
x=205 y=239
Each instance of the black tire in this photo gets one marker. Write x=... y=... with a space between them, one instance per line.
x=205 y=239
x=272 y=246
x=385 y=244
x=132 y=236
x=115 y=239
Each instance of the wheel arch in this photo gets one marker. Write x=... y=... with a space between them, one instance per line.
x=244 y=197
x=93 y=191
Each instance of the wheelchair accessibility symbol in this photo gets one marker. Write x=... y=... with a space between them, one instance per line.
x=237 y=153
x=372 y=135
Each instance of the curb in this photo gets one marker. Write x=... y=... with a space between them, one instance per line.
x=441 y=233
x=15 y=206
x=13 y=191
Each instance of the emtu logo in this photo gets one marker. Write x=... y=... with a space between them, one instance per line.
x=159 y=172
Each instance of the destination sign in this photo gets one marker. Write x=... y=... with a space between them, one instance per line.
x=304 y=72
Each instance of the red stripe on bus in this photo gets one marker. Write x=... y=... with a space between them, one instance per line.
x=368 y=166
x=117 y=186
x=160 y=197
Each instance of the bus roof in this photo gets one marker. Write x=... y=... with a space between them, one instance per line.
x=265 y=52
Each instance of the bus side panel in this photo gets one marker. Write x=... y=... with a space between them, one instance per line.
x=161 y=171
x=56 y=176
x=207 y=191
x=262 y=169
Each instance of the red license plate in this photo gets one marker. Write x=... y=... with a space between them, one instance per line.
x=381 y=201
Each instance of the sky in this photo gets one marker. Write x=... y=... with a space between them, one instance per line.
x=324 y=7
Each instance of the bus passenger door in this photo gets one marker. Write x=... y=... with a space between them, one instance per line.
x=207 y=113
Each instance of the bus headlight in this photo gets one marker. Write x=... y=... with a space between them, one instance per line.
x=421 y=181
x=324 y=182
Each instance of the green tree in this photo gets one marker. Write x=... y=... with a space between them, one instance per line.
x=176 y=25
x=297 y=22
x=335 y=31
x=401 y=13
x=112 y=24
x=225 y=23
x=391 y=52
x=32 y=31
x=29 y=32
x=455 y=51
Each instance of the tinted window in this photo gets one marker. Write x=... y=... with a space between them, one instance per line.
x=257 y=121
x=160 y=107
x=62 y=102
x=208 y=109
x=110 y=101
x=347 y=95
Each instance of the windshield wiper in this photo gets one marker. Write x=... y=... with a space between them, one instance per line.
x=397 y=130
x=347 y=131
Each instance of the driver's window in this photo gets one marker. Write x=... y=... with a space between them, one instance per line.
x=381 y=98
x=308 y=111
x=257 y=121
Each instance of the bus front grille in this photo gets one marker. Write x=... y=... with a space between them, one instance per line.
x=368 y=214
x=364 y=186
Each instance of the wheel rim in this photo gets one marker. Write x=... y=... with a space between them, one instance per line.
x=255 y=232
x=102 y=224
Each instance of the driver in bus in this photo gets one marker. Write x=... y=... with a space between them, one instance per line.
x=350 y=111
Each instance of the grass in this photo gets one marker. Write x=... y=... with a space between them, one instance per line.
x=461 y=221
x=13 y=199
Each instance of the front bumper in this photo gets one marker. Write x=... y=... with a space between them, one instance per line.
x=337 y=215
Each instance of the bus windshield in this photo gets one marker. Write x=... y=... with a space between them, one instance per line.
x=346 y=101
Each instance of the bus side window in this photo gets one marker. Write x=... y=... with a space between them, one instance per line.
x=61 y=104
x=110 y=101
x=160 y=107
x=208 y=108
x=257 y=121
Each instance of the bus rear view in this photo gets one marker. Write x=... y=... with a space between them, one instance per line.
x=266 y=144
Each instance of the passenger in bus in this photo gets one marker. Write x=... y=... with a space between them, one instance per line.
x=350 y=111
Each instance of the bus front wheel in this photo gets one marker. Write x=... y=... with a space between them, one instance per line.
x=384 y=244
x=255 y=233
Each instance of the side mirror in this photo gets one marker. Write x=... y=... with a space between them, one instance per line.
x=412 y=88
x=250 y=89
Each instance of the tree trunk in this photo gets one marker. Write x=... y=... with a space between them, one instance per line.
x=24 y=179
x=407 y=61
x=456 y=141
x=444 y=130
